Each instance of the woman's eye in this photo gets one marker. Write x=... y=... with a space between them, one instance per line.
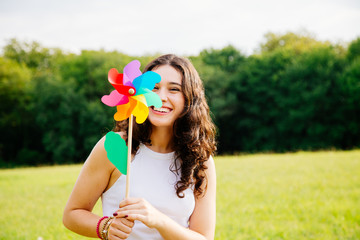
x=175 y=89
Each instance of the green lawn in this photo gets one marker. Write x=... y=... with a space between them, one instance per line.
x=262 y=196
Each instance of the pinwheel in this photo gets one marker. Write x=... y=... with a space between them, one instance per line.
x=133 y=92
x=132 y=96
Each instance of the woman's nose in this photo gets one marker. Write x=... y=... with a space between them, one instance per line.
x=162 y=94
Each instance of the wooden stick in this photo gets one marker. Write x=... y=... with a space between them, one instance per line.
x=129 y=156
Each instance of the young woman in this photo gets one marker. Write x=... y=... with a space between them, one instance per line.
x=173 y=179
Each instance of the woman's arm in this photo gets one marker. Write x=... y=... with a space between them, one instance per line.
x=91 y=183
x=202 y=221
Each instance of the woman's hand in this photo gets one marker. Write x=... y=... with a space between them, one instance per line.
x=141 y=210
x=120 y=228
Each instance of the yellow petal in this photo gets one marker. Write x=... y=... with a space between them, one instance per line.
x=141 y=110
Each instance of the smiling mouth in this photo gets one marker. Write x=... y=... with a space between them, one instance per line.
x=162 y=110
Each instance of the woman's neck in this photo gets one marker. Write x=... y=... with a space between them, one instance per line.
x=161 y=140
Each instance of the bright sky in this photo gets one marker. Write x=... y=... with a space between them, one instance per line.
x=185 y=27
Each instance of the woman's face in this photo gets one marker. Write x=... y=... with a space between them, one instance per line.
x=170 y=92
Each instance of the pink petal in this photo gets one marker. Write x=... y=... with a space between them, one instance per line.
x=114 y=99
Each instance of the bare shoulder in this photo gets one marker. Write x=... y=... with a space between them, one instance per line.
x=92 y=180
x=98 y=157
x=123 y=135
x=210 y=164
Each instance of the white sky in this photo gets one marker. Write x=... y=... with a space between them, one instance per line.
x=185 y=27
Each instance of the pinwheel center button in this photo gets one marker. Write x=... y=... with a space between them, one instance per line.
x=131 y=91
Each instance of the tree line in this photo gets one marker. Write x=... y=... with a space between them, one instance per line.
x=294 y=93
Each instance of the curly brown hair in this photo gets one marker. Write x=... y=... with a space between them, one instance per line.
x=194 y=131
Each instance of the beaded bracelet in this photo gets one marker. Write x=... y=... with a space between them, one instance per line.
x=104 y=231
x=98 y=226
x=107 y=229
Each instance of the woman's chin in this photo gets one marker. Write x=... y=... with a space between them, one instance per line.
x=160 y=122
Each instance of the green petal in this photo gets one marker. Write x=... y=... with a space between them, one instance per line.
x=116 y=150
x=152 y=99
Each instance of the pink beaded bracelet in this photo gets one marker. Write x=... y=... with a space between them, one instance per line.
x=98 y=226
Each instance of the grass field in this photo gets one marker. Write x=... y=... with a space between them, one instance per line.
x=263 y=196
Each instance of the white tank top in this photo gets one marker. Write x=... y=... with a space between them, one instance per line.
x=152 y=180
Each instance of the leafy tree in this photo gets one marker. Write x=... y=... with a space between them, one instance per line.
x=295 y=93
x=349 y=86
x=14 y=84
x=228 y=59
x=310 y=101
x=217 y=68
x=282 y=98
x=55 y=105
x=354 y=50
x=298 y=42
x=32 y=54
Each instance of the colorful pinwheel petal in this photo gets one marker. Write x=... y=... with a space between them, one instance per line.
x=116 y=151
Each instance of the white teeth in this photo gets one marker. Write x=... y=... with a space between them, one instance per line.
x=164 y=110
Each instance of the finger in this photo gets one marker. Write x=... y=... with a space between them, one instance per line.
x=129 y=201
x=117 y=233
x=119 y=225
x=127 y=222
x=135 y=206
x=116 y=236
x=126 y=213
x=136 y=216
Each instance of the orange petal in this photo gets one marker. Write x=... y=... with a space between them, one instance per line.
x=124 y=111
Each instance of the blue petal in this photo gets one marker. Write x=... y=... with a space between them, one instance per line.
x=147 y=81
